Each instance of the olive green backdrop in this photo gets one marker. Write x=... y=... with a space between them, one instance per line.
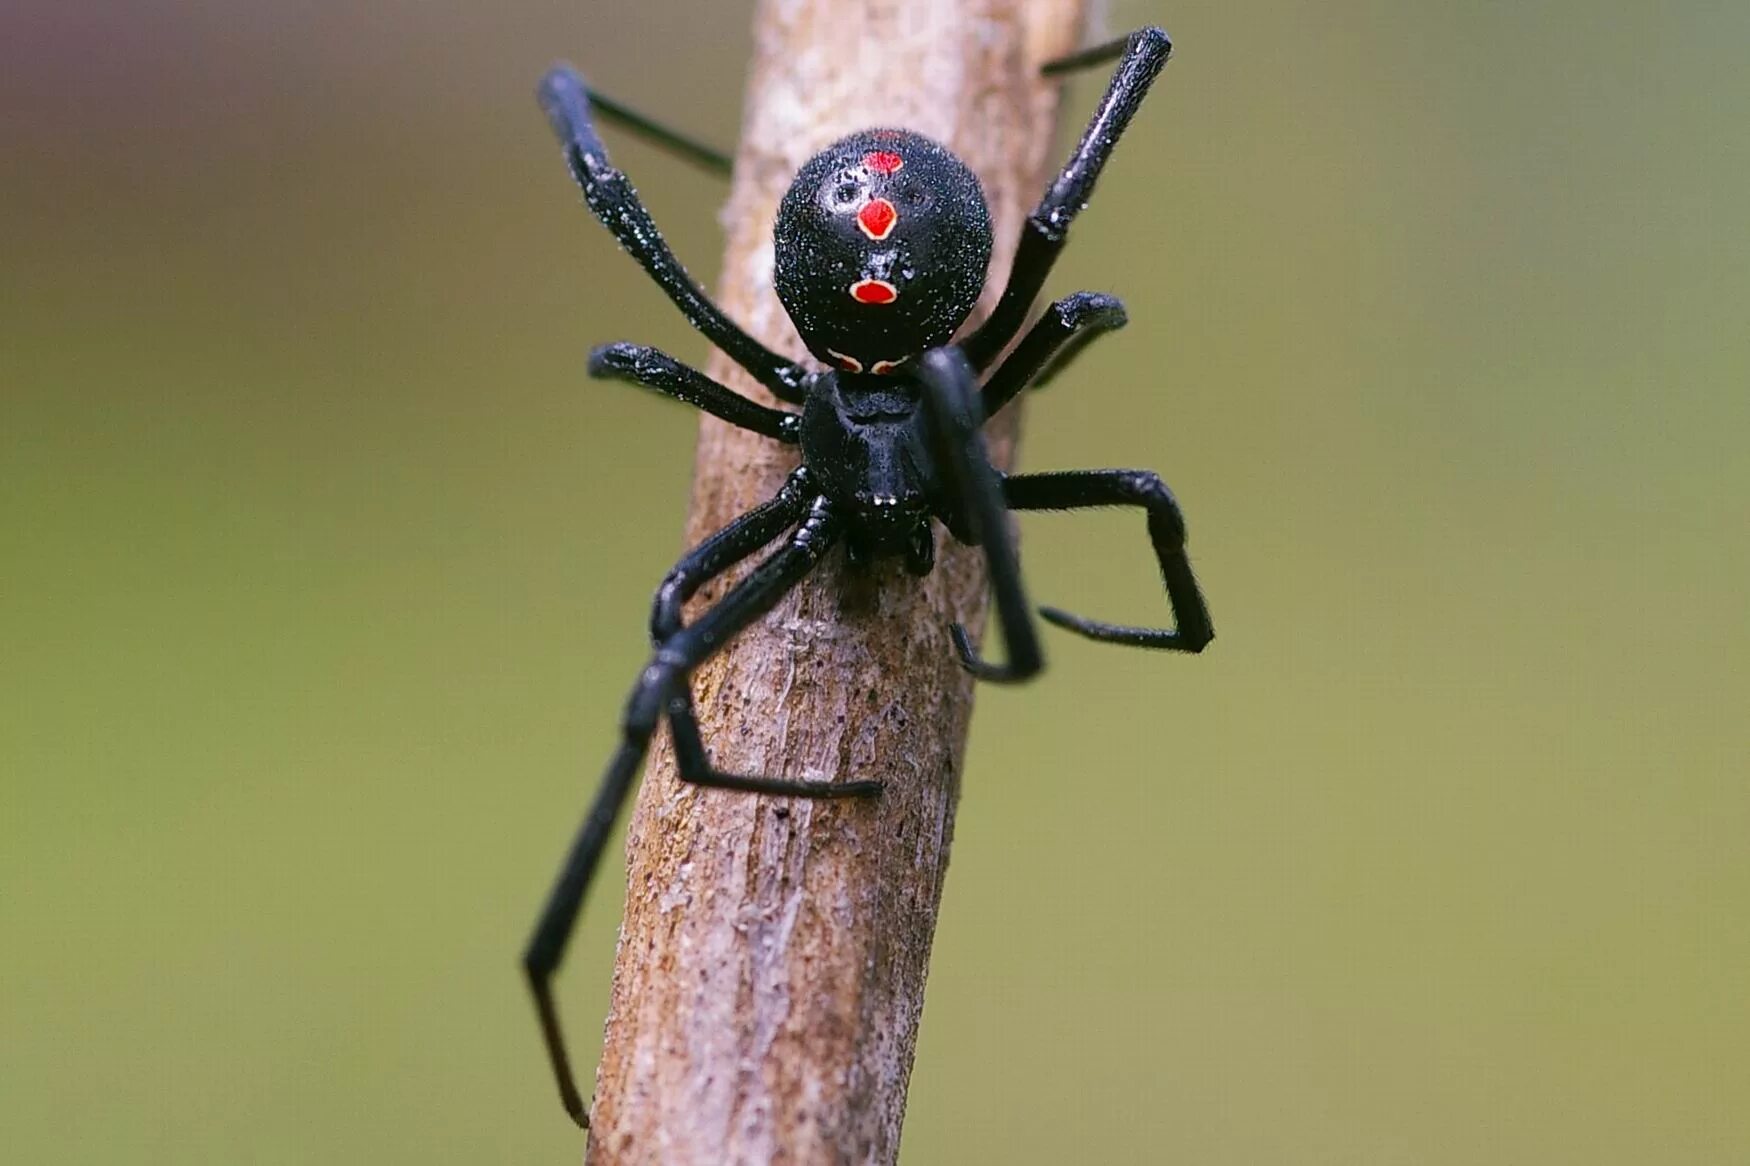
x=323 y=570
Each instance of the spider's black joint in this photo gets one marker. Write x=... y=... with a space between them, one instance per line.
x=1079 y=489
x=1083 y=316
x=538 y=968
x=1086 y=309
x=972 y=662
x=564 y=99
x=881 y=246
x=658 y=370
x=546 y=946
x=1056 y=339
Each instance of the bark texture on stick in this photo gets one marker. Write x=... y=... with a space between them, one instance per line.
x=770 y=973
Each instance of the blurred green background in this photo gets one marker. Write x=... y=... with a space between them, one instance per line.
x=323 y=570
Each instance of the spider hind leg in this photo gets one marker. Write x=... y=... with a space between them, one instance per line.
x=1081 y=489
x=660 y=689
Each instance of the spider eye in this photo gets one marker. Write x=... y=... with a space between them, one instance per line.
x=846 y=193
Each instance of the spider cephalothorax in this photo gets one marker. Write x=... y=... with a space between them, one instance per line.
x=880 y=249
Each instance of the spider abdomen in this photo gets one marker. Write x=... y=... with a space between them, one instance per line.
x=881 y=247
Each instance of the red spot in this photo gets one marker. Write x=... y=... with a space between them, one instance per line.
x=874 y=291
x=883 y=161
x=883 y=368
x=848 y=363
x=877 y=218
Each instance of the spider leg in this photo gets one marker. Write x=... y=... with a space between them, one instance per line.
x=1085 y=58
x=689 y=149
x=662 y=372
x=725 y=549
x=711 y=558
x=1059 y=335
x=565 y=98
x=666 y=673
x=1078 y=489
x=951 y=397
x=1145 y=54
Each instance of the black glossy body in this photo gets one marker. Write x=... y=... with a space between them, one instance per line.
x=880 y=213
x=881 y=249
x=868 y=441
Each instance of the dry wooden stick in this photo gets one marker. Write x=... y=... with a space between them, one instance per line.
x=770 y=973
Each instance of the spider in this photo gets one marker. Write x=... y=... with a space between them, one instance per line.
x=881 y=247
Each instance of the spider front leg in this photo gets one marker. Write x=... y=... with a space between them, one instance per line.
x=1066 y=328
x=951 y=397
x=666 y=673
x=688 y=149
x=1145 y=54
x=1085 y=58
x=565 y=98
x=1078 y=489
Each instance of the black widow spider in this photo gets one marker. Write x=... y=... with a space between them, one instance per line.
x=881 y=247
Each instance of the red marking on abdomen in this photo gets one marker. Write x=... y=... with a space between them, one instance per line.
x=883 y=368
x=848 y=363
x=883 y=161
x=877 y=218
x=874 y=291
